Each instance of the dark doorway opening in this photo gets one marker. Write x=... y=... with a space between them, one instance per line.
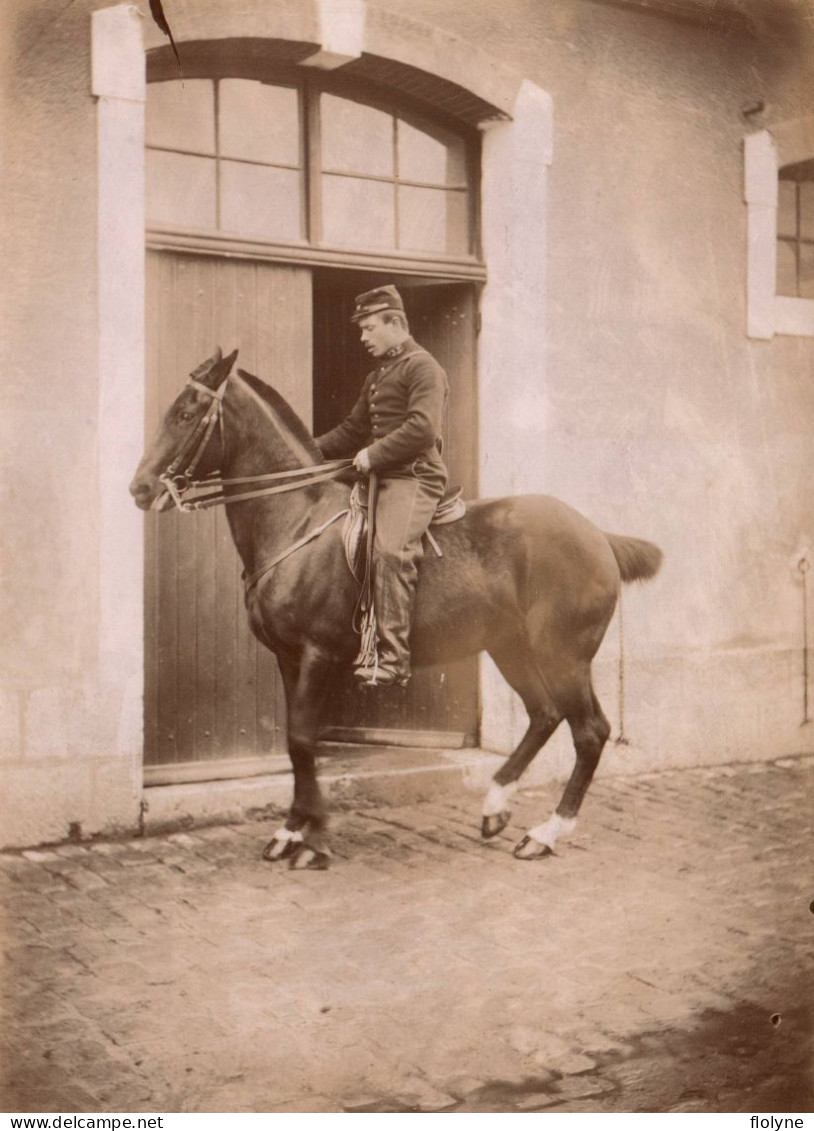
x=440 y=706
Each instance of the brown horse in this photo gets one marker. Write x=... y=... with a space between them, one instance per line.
x=528 y=579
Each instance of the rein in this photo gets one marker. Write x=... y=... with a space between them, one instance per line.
x=178 y=483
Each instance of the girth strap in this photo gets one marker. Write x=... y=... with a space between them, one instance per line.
x=250 y=582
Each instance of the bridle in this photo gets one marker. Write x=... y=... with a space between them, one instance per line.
x=175 y=481
x=178 y=480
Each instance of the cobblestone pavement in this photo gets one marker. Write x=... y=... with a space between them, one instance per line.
x=662 y=961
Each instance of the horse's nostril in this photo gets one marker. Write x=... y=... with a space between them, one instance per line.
x=140 y=491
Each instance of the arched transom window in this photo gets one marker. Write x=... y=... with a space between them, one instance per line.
x=292 y=165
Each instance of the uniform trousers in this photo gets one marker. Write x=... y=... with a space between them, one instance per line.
x=404 y=510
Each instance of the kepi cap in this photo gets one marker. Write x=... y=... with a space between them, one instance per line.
x=376 y=301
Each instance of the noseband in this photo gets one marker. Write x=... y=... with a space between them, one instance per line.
x=178 y=483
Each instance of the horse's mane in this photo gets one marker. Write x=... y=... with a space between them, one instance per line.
x=284 y=411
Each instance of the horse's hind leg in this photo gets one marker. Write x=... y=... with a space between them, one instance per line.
x=519 y=668
x=590 y=730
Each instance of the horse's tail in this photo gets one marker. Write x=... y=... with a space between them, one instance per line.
x=638 y=560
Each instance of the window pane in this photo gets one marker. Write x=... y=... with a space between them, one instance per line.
x=787 y=208
x=182 y=116
x=786 y=268
x=423 y=157
x=258 y=122
x=180 y=189
x=807 y=271
x=256 y=200
x=807 y=210
x=433 y=220
x=356 y=138
x=357 y=213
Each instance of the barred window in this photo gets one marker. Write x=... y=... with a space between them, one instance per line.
x=795 y=230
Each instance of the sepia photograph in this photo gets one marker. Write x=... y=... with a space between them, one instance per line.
x=408 y=509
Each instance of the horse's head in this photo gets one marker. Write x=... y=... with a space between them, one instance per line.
x=184 y=434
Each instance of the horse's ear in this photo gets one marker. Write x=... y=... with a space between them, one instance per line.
x=206 y=367
x=215 y=369
x=223 y=366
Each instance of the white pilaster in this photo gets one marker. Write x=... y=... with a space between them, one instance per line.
x=118 y=82
x=760 y=192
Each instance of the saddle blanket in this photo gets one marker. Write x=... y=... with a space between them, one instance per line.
x=450 y=509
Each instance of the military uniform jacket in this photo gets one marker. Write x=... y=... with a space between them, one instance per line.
x=398 y=416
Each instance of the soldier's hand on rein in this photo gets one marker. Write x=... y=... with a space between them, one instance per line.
x=361 y=462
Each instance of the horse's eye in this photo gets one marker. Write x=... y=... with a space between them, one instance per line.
x=185 y=415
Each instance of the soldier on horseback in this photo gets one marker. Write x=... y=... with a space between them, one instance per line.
x=527 y=579
x=394 y=430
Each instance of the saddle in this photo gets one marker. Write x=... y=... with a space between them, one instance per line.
x=451 y=507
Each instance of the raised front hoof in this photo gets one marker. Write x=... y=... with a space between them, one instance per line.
x=277 y=849
x=307 y=859
x=530 y=849
x=493 y=824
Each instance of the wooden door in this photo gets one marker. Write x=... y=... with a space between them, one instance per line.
x=213 y=697
x=440 y=705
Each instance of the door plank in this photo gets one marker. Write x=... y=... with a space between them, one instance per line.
x=212 y=694
x=226 y=610
x=166 y=612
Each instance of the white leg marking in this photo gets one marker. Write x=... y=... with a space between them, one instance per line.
x=285 y=834
x=497 y=798
x=554 y=827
